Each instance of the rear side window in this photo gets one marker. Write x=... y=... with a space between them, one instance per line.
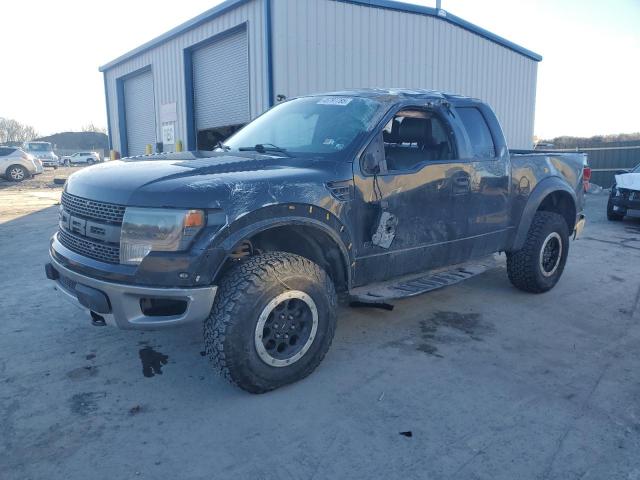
x=4 y=151
x=479 y=134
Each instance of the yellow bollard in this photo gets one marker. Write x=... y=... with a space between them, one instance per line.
x=112 y=155
x=148 y=150
x=178 y=145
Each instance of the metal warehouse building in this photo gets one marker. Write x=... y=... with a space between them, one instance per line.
x=200 y=81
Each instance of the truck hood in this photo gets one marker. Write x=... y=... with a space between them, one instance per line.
x=215 y=180
x=629 y=181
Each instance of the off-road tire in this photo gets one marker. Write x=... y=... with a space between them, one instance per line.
x=613 y=216
x=16 y=173
x=524 y=266
x=243 y=293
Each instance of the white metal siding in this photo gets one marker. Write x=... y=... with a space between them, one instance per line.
x=167 y=60
x=221 y=82
x=324 y=45
x=140 y=117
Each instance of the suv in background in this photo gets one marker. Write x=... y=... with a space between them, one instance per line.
x=88 y=158
x=16 y=164
x=44 y=152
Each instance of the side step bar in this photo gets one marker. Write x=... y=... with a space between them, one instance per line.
x=411 y=285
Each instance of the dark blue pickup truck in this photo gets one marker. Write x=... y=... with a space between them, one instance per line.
x=375 y=194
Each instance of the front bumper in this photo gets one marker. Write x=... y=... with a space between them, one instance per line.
x=630 y=200
x=50 y=163
x=121 y=305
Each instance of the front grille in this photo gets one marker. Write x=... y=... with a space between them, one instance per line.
x=96 y=211
x=98 y=251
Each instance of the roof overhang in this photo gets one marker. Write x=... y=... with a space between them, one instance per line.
x=228 y=5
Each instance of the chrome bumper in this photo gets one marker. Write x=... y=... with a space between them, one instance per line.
x=125 y=310
x=580 y=223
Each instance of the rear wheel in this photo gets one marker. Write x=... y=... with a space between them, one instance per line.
x=539 y=264
x=272 y=321
x=17 y=173
x=613 y=215
x=91 y=161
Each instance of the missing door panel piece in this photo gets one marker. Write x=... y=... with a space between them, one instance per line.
x=386 y=230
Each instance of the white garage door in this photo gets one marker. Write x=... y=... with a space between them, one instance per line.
x=139 y=106
x=221 y=82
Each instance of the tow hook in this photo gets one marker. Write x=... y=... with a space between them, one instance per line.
x=97 y=320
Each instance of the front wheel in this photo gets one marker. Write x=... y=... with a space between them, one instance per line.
x=272 y=321
x=17 y=173
x=539 y=264
x=613 y=215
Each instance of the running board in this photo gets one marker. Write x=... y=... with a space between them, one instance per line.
x=416 y=284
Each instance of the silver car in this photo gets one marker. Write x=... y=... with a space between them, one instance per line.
x=16 y=164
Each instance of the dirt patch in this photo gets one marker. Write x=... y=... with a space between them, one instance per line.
x=86 y=403
x=42 y=181
x=451 y=327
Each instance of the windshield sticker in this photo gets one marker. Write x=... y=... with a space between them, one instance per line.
x=329 y=141
x=339 y=101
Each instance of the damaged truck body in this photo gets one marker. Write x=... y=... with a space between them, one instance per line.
x=366 y=193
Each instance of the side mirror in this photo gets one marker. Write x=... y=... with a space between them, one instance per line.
x=370 y=164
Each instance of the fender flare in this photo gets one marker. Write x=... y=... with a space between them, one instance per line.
x=318 y=218
x=537 y=196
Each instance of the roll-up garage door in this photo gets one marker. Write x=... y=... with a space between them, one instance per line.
x=139 y=106
x=221 y=82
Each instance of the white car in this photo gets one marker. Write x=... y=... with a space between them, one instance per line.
x=88 y=158
x=17 y=165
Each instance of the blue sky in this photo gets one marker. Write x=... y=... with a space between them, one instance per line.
x=587 y=82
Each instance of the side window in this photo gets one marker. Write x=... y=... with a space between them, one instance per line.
x=4 y=151
x=479 y=134
x=413 y=137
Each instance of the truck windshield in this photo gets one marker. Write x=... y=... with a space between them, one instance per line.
x=39 y=147
x=310 y=125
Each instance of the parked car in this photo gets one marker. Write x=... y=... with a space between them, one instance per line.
x=375 y=194
x=87 y=158
x=625 y=194
x=44 y=152
x=17 y=165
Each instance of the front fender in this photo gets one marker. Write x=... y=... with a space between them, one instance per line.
x=281 y=215
x=543 y=189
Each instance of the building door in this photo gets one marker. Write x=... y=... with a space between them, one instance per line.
x=140 y=112
x=220 y=88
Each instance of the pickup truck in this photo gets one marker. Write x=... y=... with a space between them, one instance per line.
x=371 y=194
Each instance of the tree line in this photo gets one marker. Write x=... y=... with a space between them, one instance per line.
x=13 y=131
x=595 y=141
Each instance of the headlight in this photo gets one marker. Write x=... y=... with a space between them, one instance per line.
x=158 y=230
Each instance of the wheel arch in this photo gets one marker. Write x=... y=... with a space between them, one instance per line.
x=312 y=238
x=550 y=195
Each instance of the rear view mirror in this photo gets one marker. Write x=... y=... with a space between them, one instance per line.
x=370 y=164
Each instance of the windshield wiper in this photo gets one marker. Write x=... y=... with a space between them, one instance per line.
x=264 y=148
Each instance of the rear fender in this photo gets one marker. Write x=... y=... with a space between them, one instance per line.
x=545 y=188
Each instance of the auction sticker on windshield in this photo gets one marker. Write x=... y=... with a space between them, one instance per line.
x=340 y=101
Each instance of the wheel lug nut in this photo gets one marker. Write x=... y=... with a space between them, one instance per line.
x=282 y=316
x=275 y=325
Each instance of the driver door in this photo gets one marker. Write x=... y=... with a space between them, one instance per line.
x=412 y=193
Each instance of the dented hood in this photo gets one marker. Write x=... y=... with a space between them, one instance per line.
x=219 y=180
x=629 y=181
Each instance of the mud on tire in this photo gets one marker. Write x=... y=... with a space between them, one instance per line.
x=538 y=265
x=246 y=295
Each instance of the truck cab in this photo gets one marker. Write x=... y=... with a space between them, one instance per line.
x=376 y=194
x=43 y=151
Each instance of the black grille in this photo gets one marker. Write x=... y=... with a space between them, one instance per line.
x=68 y=283
x=98 y=251
x=97 y=211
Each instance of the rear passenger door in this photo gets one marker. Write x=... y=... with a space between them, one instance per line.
x=423 y=186
x=5 y=158
x=490 y=181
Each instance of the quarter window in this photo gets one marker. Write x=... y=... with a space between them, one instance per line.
x=478 y=131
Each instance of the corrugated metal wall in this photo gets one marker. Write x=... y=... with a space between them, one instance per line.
x=322 y=45
x=167 y=66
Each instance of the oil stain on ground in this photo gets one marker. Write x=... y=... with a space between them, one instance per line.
x=86 y=403
x=450 y=327
x=152 y=361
